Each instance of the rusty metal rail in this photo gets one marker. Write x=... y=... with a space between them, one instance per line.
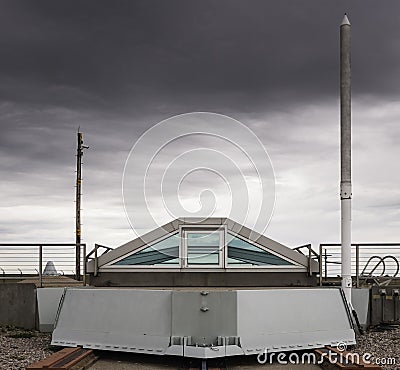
x=66 y=359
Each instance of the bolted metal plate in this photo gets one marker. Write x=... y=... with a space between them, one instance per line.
x=202 y=324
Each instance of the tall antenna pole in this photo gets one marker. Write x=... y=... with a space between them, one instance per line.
x=345 y=155
x=79 y=155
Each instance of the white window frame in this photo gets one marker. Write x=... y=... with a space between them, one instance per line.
x=203 y=229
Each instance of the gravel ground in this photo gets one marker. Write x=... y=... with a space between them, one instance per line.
x=132 y=361
x=383 y=345
x=20 y=348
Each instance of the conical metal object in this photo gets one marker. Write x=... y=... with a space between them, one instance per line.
x=50 y=269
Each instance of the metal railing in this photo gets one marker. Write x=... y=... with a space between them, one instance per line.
x=369 y=261
x=28 y=260
x=94 y=255
x=310 y=253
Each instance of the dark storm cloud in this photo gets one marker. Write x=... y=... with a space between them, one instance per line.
x=116 y=68
x=136 y=55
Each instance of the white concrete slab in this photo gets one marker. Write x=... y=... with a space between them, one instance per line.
x=48 y=302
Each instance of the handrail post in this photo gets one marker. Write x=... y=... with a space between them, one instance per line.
x=320 y=265
x=40 y=266
x=357 y=266
x=326 y=264
x=309 y=260
x=96 y=262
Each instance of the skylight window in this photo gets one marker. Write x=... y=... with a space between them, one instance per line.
x=165 y=252
x=203 y=248
x=243 y=253
x=197 y=247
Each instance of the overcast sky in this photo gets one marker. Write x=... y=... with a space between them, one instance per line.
x=117 y=68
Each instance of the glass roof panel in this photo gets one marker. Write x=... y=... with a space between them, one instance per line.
x=244 y=253
x=165 y=252
x=203 y=247
x=203 y=239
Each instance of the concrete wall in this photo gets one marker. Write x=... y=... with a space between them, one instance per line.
x=385 y=305
x=18 y=305
x=202 y=279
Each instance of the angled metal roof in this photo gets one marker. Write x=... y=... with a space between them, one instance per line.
x=214 y=222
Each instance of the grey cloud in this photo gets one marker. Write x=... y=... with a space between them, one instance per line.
x=115 y=69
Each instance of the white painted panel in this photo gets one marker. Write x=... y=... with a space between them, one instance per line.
x=115 y=319
x=360 y=302
x=48 y=302
x=289 y=319
x=139 y=320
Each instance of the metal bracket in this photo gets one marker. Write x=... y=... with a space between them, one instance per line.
x=345 y=191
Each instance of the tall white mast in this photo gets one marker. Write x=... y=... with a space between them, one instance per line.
x=345 y=154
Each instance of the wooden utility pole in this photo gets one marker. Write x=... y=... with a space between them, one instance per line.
x=78 y=203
